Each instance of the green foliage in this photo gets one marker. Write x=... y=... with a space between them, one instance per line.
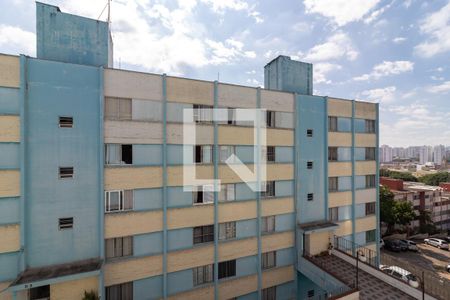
x=435 y=179
x=394 y=212
x=91 y=295
x=404 y=212
x=406 y=176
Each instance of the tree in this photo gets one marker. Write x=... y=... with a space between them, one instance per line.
x=435 y=179
x=406 y=176
x=394 y=212
x=91 y=295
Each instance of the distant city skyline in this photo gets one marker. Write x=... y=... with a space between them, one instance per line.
x=424 y=153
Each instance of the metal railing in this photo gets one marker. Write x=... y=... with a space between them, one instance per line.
x=365 y=255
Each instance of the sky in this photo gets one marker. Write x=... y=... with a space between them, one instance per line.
x=395 y=52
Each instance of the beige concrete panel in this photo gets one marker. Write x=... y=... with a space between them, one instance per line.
x=277 y=276
x=277 y=101
x=365 y=196
x=274 y=172
x=9 y=183
x=9 y=238
x=132 y=223
x=9 y=129
x=238 y=248
x=365 y=140
x=190 y=91
x=339 y=199
x=318 y=242
x=131 y=269
x=280 y=172
x=197 y=215
x=237 y=210
x=235 y=135
x=280 y=137
x=365 y=110
x=365 y=167
x=202 y=293
x=128 y=84
x=339 y=168
x=275 y=241
x=339 y=139
x=9 y=71
x=132 y=132
x=339 y=108
x=128 y=178
x=236 y=96
x=277 y=206
x=175 y=174
x=5 y=295
x=345 y=228
x=190 y=258
x=365 y=224
x=204 y=134
x=74 y=289
x=237 y=287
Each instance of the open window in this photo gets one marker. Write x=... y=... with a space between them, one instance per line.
x=118 y=154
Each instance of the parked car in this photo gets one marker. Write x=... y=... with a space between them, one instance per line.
x=441 y=244
x=403 y=245
x=412 y=246
x=447 y=239
x=392 y=245
x=401 y=274
x=448 y=268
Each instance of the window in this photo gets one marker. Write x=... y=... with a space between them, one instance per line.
x=227 y=230
x=370 y=126
x=119 y=247
x=203 y=154
x=227 y=192
x=269 y=293
x=40 y=293
x=269 y=260
x=66 y=122
x=231 y=116
x=332 y=154
x=65 y=172
x=311 y=293
x=370 y=154
x=271 y=153
x=370 y=208
x=370 y=236
x=270 y=189
x=65 y=223
x=333 y=184
x=203 y=234
x=333 y=214
x=204 y=194
x=270 y=118
x=227 y=269
x=370 y=181
x=310 y=197
x=203 y=274
x=203 y=113
x=268 y=224
x=118 y=200
x=309 y=165
x=123 y=291
x=117 y=154
x=309 y=132
x=225 y=152
x=332 y=124
x=117 y=109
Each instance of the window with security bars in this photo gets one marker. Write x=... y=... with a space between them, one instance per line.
x=370 y=208
x=203 y=274
x=370 y=126
x=269 y=260
x=270 y=153
x=270 y=189
x=65 y=223
x=203 y=234
x=333 y=184
x=270 y=118
x=119 y=247
x=227 y=230
x=370 y=181
x=66 y=122
x=121 y=200
x=370 y=153
x=123 y=291
x=227 y=192
x=332 y=124
x=332 y=154
x=333 y=214
x=118 y=108
x=269 y=293
x=65 y=172
x=268 y=224
x=203 y=113
x=227 y=269
x=203 y=194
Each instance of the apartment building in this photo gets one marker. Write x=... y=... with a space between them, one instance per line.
x=91 y=177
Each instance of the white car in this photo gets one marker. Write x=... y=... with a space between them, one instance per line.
x=401 y=274
x=441 y=244
x=448 y=268
x=381 y=243
x=412 y=246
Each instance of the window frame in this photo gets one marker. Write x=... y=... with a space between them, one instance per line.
x=227 y=269
x=268 y=260
x=205 y=191
x=206 y=234
x=64 y=122
x=227 y=231
x=333 y=154
x=68 y=175
x=332 y=124
x=310 y=197
x=270 y=191
x=203 y=274
x=270 y=154
x=65 y=223
x=370 y=208
x=333 y=184
x=268 y=224
x=117 y=245
x=333 y=214
x=122 y=201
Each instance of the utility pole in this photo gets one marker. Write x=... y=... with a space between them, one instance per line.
x=109 y=12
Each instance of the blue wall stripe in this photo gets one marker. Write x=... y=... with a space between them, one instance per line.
x=101 y=170
x=353 y=175
x=258 y=182
x=325 y=159
x=164 y=162
x=377 y=183
x=23 y=94
x=216 y=195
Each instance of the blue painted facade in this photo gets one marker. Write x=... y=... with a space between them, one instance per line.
x=9 y=101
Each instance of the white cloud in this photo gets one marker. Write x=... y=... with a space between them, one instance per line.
x=384 y=95
x=399 y=39
x=322 y=69
x=375 y=14
x=437 y=78
x=16 y=40
x=221 y=6
x=436 y=27
x=303 y=27
x=387 y=68
x=440 y=89
x=228 y=51
x=337 y=46
x=341 y=12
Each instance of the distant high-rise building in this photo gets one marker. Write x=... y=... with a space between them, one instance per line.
x=385 y=154
x=438 y=154
x=425 y=154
